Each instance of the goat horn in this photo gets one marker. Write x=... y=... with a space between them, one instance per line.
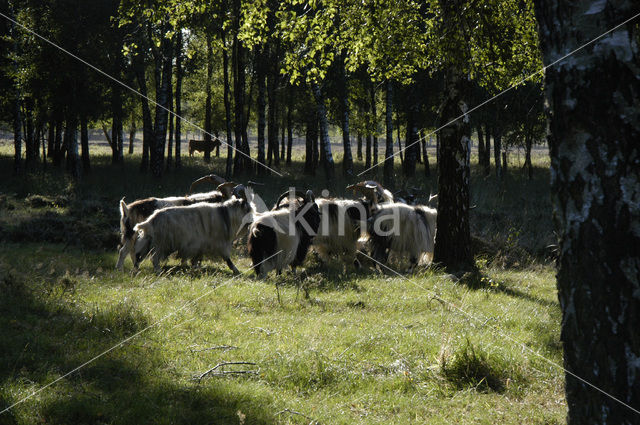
x=211 y=178
x=226 y=189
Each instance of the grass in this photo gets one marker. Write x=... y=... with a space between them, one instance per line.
x=362 y=348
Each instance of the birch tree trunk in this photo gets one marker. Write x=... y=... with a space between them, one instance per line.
x=178 y=100
x=593 y=100
x=207 y=103
x=147 y=123
x=162 y=97
x=347 y=160
x=325 y=142
x=453 y=240
x=227 y=103
x=388 y=154
x=262 y=105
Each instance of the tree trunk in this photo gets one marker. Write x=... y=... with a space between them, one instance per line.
x=116 y=126
x=178 y=126
x=272 y=118
x=388 y=155
x=30 y=147
x=170 y=143
x=147 y=123
x=374 y=114
x=347 y=160
x=57 y=144
x=162 y=97
x=51 y=137
x=289 y=127
x=17 y=134
x=359 y=146
x=593 y=145
x=238 y=73
x=311 y=135
x=497 y=151
x=481 y=150
x=325 y=142
x=367 y=162
x=71 y=142
x=453 y=240
x=400 y=152
x=262 y=105
x=227 y=103
x=207 y=103
x=132 y=132
x=283 y=128
x=527 y=159
x=412 y=146
x=84 y=142
x=425 y=156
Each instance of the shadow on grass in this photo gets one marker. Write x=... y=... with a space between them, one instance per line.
x=479 y=281
x=43 y=338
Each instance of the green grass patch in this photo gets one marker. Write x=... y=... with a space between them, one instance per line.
x=360 y=348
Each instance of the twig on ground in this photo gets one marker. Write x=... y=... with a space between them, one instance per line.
x=214 y=370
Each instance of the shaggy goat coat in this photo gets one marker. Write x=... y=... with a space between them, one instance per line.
x=193 y=232
x=138 y=211
x=343 y=221
x=405 y=230
x=276 y=232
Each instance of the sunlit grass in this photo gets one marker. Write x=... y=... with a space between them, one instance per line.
x=362 y=348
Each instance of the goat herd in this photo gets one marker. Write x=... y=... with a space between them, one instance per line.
x=206 y=224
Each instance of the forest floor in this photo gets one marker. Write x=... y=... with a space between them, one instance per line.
x=360 y=348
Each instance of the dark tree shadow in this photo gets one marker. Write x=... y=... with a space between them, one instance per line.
x=44 y=338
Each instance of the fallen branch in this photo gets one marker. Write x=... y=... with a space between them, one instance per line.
x=214 y=370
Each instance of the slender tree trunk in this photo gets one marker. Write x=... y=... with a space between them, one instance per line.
x=289 y=127
x=84 y=142
x=283 y=128
x=311 y=135
x=272 y=119
x=207 y=103
x=132 y=132
x=486 y=159
x=347 y=160
x=227 y=103
x=51 y=136
x=162 y=97
x=71 y=136
x=170 y=144
x=17 y=134
x=374 y=114
x=481 y=150
x=497 y=150
x=400 y=152
x=57 y=143
x=388 y=155
x=178 y=126
x=325 y=142
x=453 y=239
x=238 y=72
x=367 y=162
x=262 y=105
x=30 y=155
x=147 y=123
x=411 y=147
x=359 y=150
x=116 y=126
x=425 y=156
x=527 y=159
x=593 y=144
